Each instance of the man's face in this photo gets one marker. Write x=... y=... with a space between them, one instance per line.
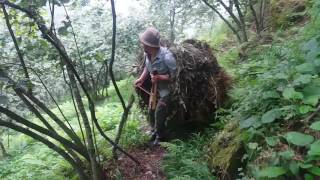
x=146 y=49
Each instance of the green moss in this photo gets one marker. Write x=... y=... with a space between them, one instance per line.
x=225 y=146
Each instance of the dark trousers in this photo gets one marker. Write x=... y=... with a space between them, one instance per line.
x=157 y=118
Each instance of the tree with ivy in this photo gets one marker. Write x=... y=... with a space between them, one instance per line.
x=54 y=129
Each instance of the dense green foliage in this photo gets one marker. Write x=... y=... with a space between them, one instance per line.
x=276 y=89
x=23 y=164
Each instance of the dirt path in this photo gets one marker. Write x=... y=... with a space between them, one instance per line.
x=150 y=159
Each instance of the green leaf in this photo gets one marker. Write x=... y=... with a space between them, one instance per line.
x=294 y=167
x=302 y=79
x=281 y=75
x=311 y=100
x=272 y=172
x=290 y=93
x=253 y=145
x=248 y=122
x=272 y=141
x=312 y=89
x=287 y=154
x=305 y=166
x=315 y=171
x=314 y=149
x=312 y=50
x=308 y=177
x=305 y=109
x=270 y=94
x=306 y=68
x=311 y=45
x=315 y=126
x=299 y=139
x=270 y=116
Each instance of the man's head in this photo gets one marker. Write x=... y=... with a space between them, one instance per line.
x=150 y=39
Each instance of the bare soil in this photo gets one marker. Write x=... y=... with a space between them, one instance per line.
x=150 y=159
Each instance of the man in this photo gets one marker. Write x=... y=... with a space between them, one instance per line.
x=160 y=60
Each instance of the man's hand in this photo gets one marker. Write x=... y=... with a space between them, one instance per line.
x=156 y=78
x=138 y=82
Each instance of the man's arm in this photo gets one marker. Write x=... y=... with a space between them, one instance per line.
x=142 y=77
x=163 y=77
x=170 y=62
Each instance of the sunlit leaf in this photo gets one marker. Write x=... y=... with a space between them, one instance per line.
x=305 y=109
x=315 y=126
x=253 y=145
x=290 y=93
x=287 y=154
x=299 y=139
x=270 y=116
x=314 y=149
x=272 y=172
x=272 y=141
x=311 y=100
x=248 y=122
x=303 y=79
x=306 y=68
x=305 y=165
x=270 y=94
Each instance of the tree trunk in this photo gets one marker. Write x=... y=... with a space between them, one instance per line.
x=231 y=3
x=224 y=20
x=122 y=122
x=29 y=85
x=52 y=146
x=55 y=41
x=106 y=80
x=262 y=13
x=256 y=20
x=97 y=172
x=172 y=21
x=4 y=152
x=43 y=131
x=242 y=21
x=232 y=15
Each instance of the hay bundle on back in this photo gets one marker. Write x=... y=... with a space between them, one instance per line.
x=199 y=87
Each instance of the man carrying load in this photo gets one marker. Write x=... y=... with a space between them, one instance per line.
x=161 y=65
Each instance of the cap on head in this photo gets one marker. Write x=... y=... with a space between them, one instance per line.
x=150 y=37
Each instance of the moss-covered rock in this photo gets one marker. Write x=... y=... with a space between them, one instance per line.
x=226 y=152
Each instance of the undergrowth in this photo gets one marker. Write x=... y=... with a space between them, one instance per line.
x=277 y=89
x=30 y=159
x=187 y=159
